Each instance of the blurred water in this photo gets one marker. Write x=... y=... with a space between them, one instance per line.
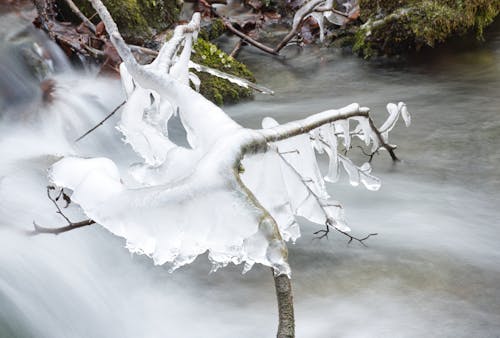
x=432 y=270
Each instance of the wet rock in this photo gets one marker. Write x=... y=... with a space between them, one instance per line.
x=399 y=26
x=217 y=90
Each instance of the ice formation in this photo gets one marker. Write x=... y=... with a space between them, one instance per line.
x=234 y=192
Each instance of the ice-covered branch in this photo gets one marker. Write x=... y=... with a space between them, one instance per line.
x=295 y=128
x=234 y=192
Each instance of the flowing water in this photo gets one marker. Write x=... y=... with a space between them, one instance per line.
x=432 y=270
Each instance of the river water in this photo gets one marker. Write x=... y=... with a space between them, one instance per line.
x=432 y=270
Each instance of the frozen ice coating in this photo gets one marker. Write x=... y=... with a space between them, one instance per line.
x=394 y=112
x=235 y=192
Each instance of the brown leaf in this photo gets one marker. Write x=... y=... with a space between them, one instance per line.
x=100 y=30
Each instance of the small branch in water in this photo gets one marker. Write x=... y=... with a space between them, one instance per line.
x=56 y=231
x=236 y=48
x=247 y=38
x=102 y=121
x=369 y=155
x=71 y=225
x=324 y=233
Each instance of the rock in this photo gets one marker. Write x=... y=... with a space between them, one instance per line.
x=395 y=27
x=138 y=20
x=217 y=90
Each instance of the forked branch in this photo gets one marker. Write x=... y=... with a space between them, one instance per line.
x=324 y=233
x=71 y=225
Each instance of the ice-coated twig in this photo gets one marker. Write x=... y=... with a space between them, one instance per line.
x=231 y=78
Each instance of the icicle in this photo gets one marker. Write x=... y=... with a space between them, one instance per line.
x=369 y=181
x=351 y=170
x=319 y=18
x=195 y=80
x=342 y=126
x=231 y=78
x=404 y=113
x=393 y=111
x=363 y=130
x=333 y=167
x=127 y=80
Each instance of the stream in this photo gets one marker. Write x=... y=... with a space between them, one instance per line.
x=432 y=270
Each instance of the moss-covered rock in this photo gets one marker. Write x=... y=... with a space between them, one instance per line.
x=215 y=89
x=398 y=26
x=138 y=20
x=212 y=30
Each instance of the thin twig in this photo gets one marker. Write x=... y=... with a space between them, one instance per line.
x=56 y=231
x=236 y=48
x=74 y=8
x=369 y=155
x=330 y=9
x=100 y=123
x=386 y=146
x=324 y=233
x=248 y=39
x=144 y=50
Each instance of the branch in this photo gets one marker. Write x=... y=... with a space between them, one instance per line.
x=56 y=231
x=236 y=48
x=324 y=233
x=102 y=121
x=248 y=39
x=74 y=8
x=383 y=144
x=299 y=16
x=303 y=126
x=117 y=40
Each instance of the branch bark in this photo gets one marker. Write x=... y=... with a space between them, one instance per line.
x=286 y=327
x=56 y=231
x=71 y=225
x=248 y=39
x=74 y=8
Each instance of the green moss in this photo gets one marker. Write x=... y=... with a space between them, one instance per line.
x=212 y=31
x=219 y=90
x=397 y=26
x=138 y=19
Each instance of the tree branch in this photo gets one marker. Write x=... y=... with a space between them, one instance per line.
x=324 y=233
x=102 y=121
x=299 y=16
x=248 y=39
x=383 y=144
x=303 y=126
x=74 y=8
x=56 y=231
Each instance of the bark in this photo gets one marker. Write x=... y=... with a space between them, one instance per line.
x=286 y=327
